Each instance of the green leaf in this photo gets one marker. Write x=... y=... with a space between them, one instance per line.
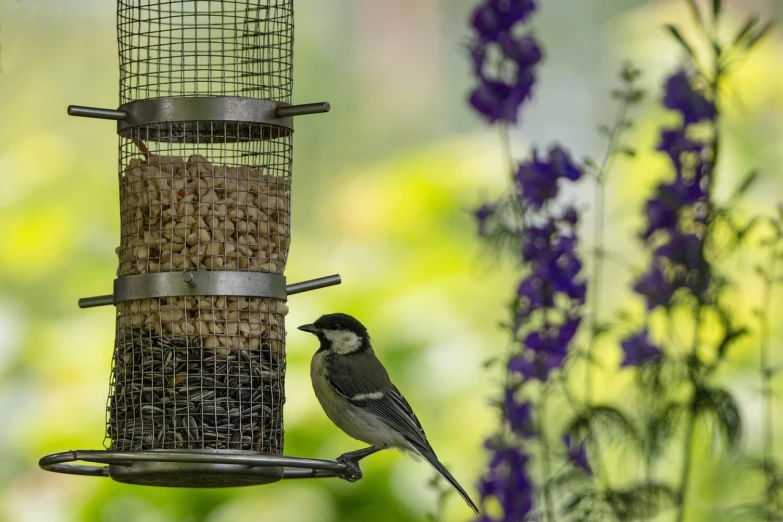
x=641 y=501
x=744 y=231
x=758 y=36
x=719 y=404
x=677 y=36
x=661 y=426
x=729 y=339
x=606 y=418
x=751 y=512
x=629 y=73
x=636 y=96
x=570 y=478
x=716 y=8
x=695 y=12
x=746 y=29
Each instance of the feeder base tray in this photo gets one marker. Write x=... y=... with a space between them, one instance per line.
x=191 y=468
x=195 y=475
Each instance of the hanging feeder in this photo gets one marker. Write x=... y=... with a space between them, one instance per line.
x=205 y=147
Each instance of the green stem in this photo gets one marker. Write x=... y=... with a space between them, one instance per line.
x=766 y=389
x=597 y=272
x=549 y=509
x=703 y=281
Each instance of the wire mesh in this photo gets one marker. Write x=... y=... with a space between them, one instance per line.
x=205 y=48
x=201 y=372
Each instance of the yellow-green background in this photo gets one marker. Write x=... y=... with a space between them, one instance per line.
x=382 y=189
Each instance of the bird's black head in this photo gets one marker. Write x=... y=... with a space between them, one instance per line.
x=340 y=333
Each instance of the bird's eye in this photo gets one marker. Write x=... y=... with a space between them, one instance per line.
x=335 y=326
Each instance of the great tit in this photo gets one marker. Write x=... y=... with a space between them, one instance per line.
x=356 y=393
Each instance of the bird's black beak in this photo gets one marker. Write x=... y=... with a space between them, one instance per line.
x=310 y=328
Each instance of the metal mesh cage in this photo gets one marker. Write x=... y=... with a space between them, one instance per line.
x=201 y=372
x=205 y=48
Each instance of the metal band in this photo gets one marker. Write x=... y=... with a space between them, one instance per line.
x=294 y=288
x=177 y=284
x=202 y=109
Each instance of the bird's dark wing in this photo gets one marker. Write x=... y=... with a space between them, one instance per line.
x=374 y=391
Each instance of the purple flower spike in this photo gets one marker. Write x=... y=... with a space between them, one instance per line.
x=499 y=101
x=675 y=143
x=519 y=415
x=655 y=287
x=494 y=18
x=639 y=350
x=506 y=480
x=523 y=51
x=683 y=250
x=680 y=96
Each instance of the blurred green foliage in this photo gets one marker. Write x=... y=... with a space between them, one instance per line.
x=382 y=189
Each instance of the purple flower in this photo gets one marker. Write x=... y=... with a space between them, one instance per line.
x=663 y=209
x=661 y=215
x=518 y=415
x=577 y=454
x=482 y=215
x=533 y=295
x=538 y=179
x=537 y=366
x=639 y=350
x=562 y=165
x=524 y=51
x=562 y=269
x=655 y=287
x=684 y=250
x=675 y=143
x=494 y=18
x=498 y=101
x=680 y=96
x=507 y=480
x=536 y=242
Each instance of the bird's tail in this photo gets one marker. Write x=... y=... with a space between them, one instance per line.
x=430 y=457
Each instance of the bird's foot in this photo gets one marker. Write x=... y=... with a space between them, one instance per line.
x=353 y=471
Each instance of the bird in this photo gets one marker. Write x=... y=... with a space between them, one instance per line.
x=358 y=396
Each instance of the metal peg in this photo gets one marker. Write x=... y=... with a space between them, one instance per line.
x=98 y=300
x=301 y=110
x=313 y=284
x=96 y=112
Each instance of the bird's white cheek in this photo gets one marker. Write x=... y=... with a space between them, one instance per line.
x=343 y=342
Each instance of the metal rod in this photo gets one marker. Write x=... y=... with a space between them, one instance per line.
x=303 y=109
x=296 y=288
x=313 y=284
x=98 y=300
x=96 y=112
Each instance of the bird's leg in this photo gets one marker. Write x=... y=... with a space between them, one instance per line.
x=351 y=460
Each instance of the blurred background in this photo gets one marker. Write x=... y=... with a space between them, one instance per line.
x=383 y=189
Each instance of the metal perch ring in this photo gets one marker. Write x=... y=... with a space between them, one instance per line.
x=191 y=468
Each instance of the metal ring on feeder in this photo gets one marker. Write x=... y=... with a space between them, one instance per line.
x=194 y=468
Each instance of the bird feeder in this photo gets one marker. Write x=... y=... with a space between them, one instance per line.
x=205 y=127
